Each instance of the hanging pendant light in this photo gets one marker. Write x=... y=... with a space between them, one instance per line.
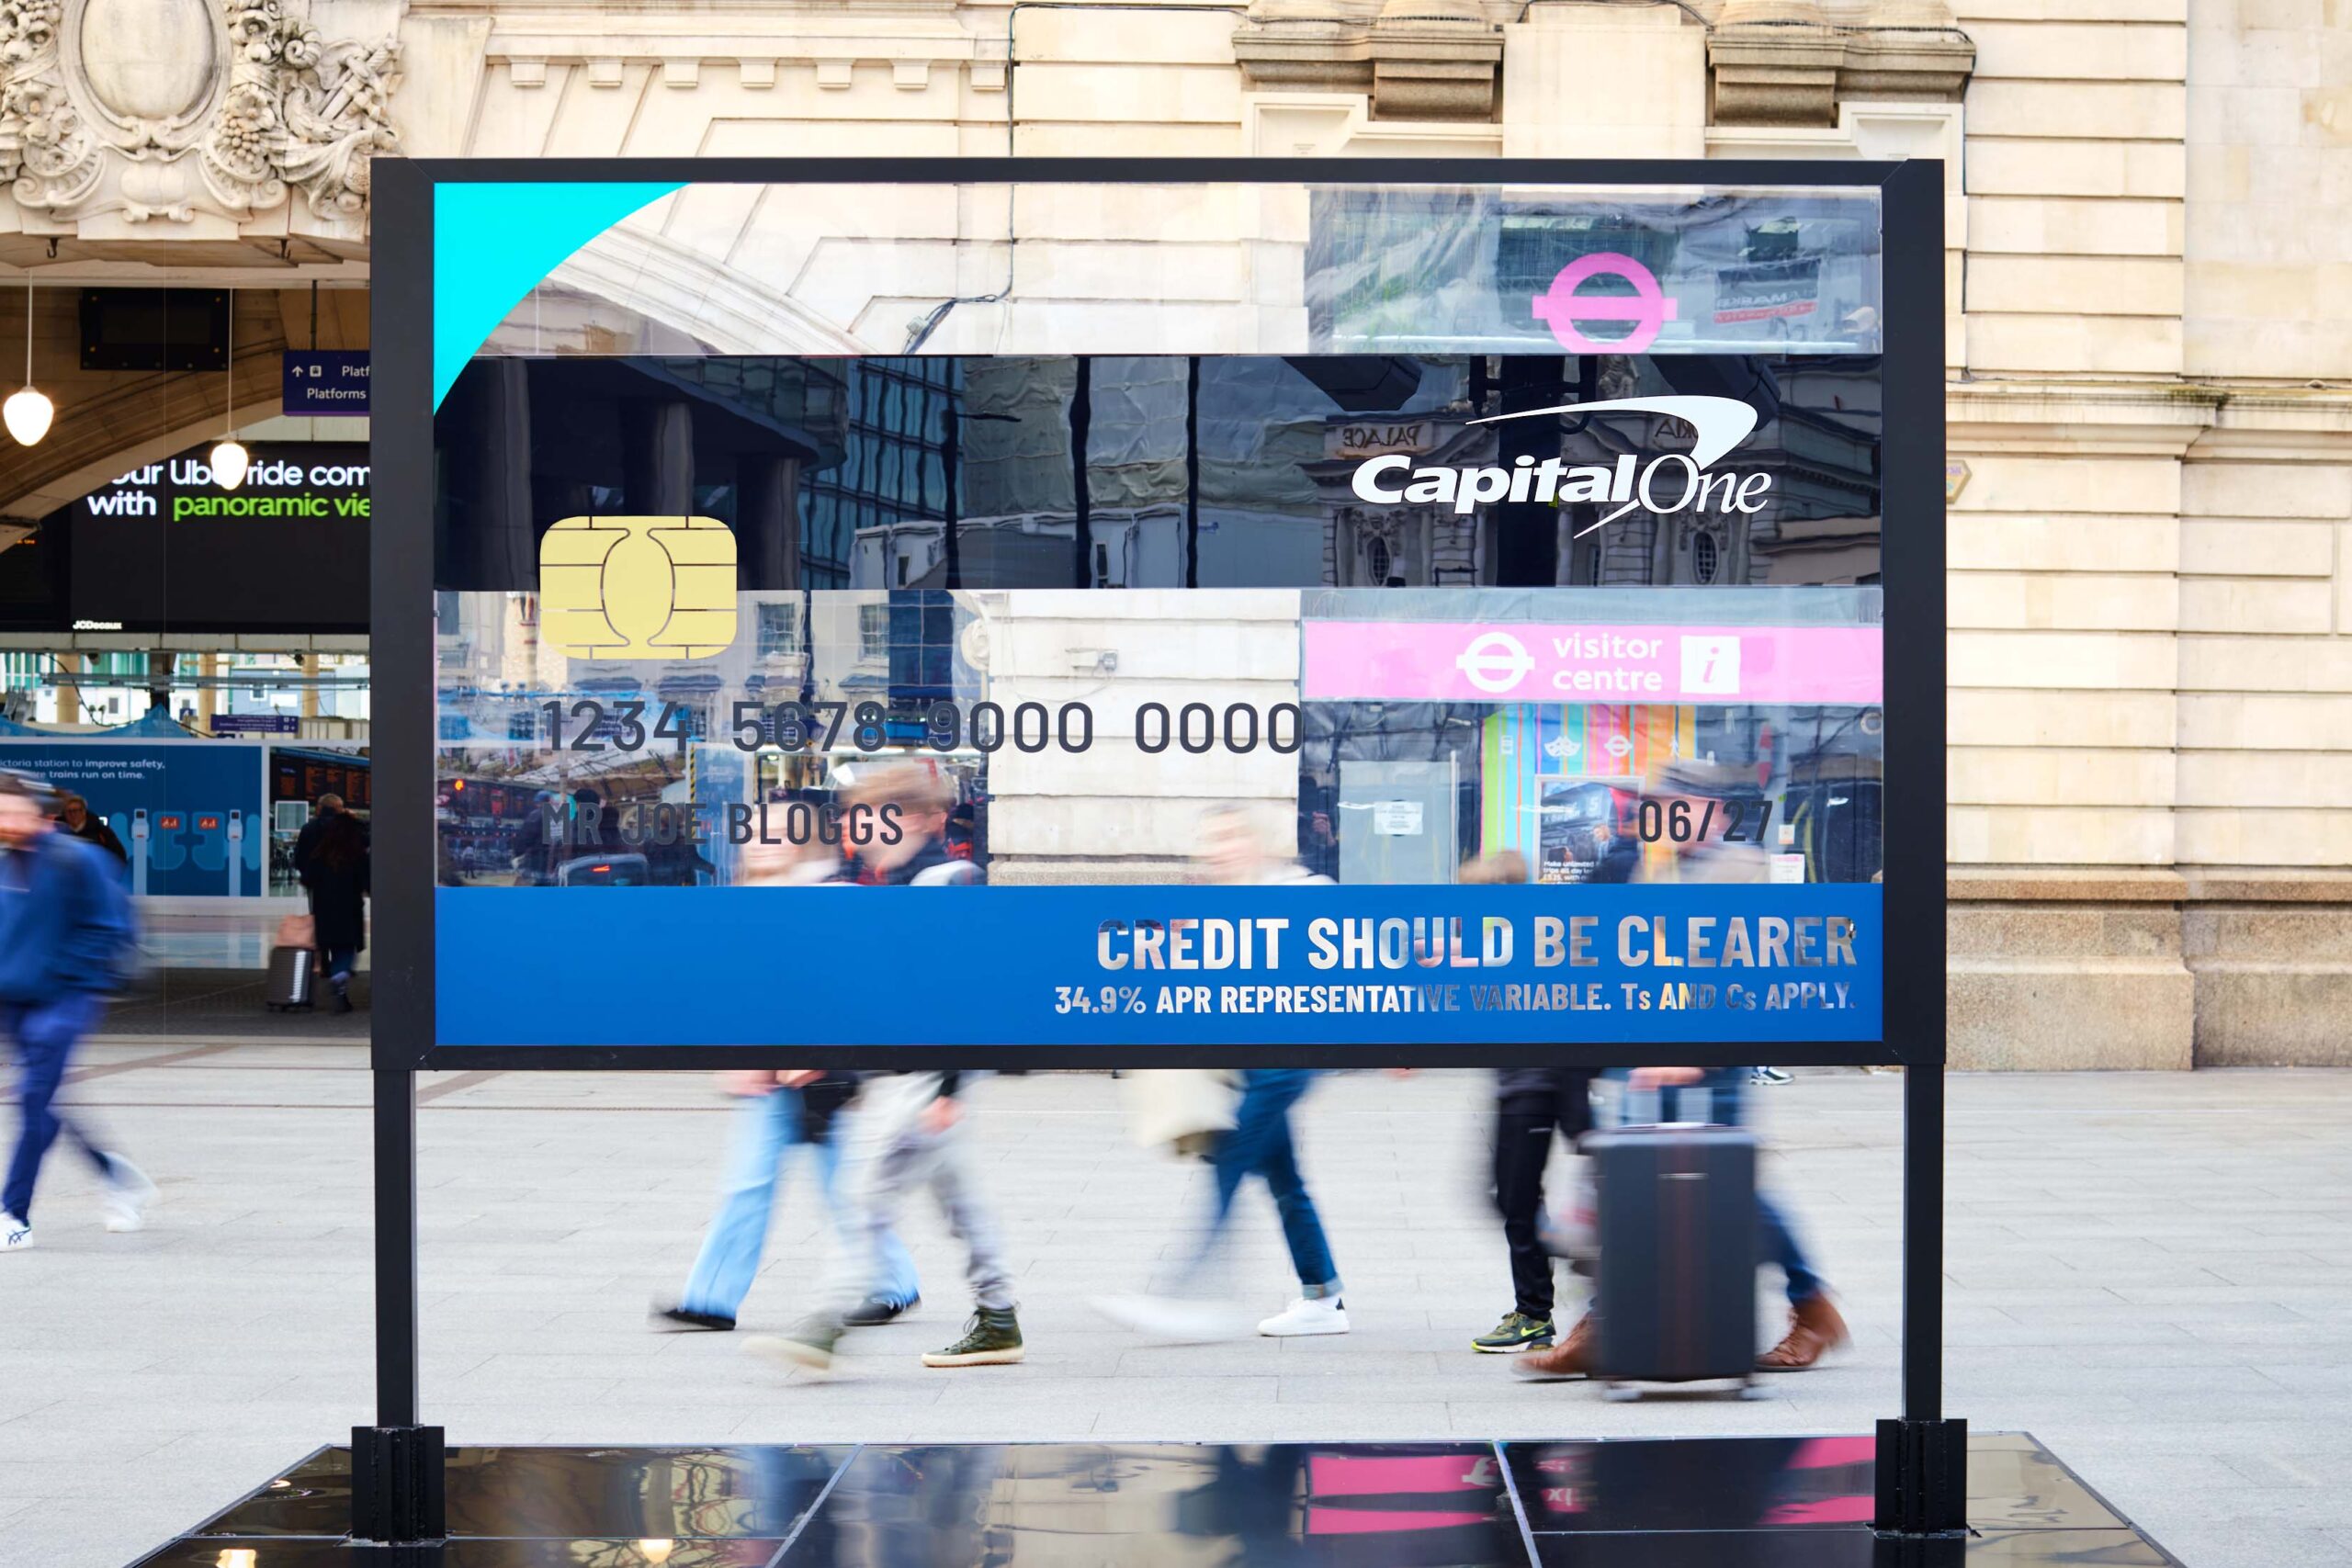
x=27 y=411
x=230 y=460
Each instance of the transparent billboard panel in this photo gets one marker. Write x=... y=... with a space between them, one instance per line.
x=1260 y=549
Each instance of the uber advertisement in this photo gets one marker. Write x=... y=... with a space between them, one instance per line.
x=166 y=548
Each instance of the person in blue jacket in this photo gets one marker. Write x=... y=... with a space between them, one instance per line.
x=66 y=936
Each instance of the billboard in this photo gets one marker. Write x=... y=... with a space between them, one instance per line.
x=1431 y=605
x=188 y=813
x=164 y=547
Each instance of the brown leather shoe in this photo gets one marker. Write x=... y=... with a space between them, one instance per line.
x=1814 y=1329
x=1571 y=1358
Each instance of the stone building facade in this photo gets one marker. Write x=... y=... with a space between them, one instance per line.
x=2149 y=252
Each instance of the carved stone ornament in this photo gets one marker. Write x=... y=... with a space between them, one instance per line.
x=163 y=108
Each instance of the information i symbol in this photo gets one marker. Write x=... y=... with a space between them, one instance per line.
x=1711 y=666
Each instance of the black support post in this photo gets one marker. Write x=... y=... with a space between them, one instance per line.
x=1922 y=1457
x=397 y=1464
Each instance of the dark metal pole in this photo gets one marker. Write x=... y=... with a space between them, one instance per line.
x=1922 y=1456
x=1923 y=1243
x=396 y=1297
x=396 y=1464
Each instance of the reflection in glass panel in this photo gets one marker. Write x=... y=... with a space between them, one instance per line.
x=1392 y=470
x=1277 y=269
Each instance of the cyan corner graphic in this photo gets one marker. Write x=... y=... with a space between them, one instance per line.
x=493 y=241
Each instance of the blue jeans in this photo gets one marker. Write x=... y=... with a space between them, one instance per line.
x=768 y=1128
x=1260 y=1145
x=340 y=962
x=1780 y=1246
x=45 y=1034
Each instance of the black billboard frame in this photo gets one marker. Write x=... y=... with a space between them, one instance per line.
x=397 y=1462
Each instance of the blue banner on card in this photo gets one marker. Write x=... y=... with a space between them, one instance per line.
x=1110 y=966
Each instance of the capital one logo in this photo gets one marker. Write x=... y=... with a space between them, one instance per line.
x=1494 y=662
x=1648 y=308
x=1667 y=483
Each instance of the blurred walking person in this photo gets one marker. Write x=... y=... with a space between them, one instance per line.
x=65 y=941
x=335 y=872
x=1260 y=1142
x=1815 y=1325
x=777 y=1112
x=1530 y=1105
x=911 y=1131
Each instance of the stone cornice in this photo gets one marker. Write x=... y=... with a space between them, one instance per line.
x=1417 y=59
x=2168 y=885
x=1786 y=62
x=2041 y=417
x=2174 y=419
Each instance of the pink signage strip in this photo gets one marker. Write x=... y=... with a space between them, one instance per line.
x=1536 y=662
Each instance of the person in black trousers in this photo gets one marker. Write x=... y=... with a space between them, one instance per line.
x=337 y=874
x=1531 y=1104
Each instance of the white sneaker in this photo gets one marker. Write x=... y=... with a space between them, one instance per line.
x=1328 y=1315
x=16 y=1235
x=1174 y=1319
x=126 y=1195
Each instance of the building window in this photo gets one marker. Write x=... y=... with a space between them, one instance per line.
x=780 y=631
x=892 y=469
x=873 y=631
x=1705 y=556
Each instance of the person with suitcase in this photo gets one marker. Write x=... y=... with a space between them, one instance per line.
x=66 y=938
x=1717 y=1160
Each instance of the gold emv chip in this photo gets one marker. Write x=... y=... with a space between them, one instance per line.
x=638 y=587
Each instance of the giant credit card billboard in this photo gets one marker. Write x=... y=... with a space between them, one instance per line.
x=1354 y=616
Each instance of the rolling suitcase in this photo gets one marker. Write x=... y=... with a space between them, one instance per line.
x=291 y=979
x=1676 y=1300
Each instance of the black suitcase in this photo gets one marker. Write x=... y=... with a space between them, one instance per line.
x=1676 y=1299
x=293 y=983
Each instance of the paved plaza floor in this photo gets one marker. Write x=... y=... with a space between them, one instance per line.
x=2144 y=1271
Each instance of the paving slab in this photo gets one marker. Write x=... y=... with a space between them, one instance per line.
x=2145 y=1270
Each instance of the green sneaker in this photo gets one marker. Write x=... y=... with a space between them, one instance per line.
x=1515 y=1333
x=809 y=1344
x=991 y=1339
